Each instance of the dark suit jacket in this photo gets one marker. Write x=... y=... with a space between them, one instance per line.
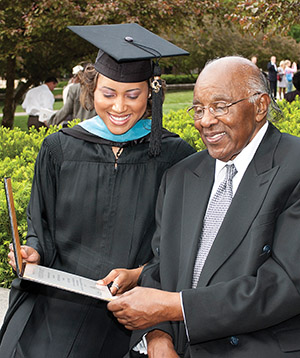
x=272 y=72
x=291 y=96
x=247 y=303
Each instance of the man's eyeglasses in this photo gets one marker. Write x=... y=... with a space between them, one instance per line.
x=217 y=109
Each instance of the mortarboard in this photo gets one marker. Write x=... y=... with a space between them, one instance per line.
x=125 y=54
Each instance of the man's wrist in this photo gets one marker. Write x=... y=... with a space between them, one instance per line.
x=172 y=307
x=159 y=336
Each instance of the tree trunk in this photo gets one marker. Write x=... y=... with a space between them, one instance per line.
x=9 y=101
x=12 y=96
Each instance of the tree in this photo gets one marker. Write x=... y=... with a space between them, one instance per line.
x=295 y=32
x=35 y=43
x=215 y=40
x=267 y=16
x=35 y=40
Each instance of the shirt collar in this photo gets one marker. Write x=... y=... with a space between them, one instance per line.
x=243 y=159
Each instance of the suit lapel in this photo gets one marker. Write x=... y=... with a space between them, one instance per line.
x=245 y=205
x=197 y=188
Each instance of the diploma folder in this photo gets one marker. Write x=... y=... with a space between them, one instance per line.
x=46 y=275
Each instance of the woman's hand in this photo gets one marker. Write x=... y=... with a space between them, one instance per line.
x=122 y=280
x=28 y=253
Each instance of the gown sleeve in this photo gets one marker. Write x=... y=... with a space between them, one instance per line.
x=41 y=208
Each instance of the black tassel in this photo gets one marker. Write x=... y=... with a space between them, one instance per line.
x=157 y=101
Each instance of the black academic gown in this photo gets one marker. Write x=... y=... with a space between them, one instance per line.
x=88 y=214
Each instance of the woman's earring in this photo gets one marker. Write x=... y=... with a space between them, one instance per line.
x=149 y=95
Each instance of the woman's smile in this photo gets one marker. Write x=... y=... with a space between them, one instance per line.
x=119 y=120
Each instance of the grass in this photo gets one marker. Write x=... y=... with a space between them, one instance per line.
x=21 y=122
x=174 y=100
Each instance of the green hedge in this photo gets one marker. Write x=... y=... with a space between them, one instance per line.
x=180 y=122
x=19 y=149
x=176 y=79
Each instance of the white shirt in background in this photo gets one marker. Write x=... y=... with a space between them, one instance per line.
x=38 y=98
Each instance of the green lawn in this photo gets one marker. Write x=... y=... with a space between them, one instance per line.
x=21 y=121
x=174 y=100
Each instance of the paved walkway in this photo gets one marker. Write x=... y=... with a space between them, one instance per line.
x=4 y=292
x=16 y=114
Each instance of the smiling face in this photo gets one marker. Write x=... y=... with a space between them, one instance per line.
x=120 y=105
x=227 y=135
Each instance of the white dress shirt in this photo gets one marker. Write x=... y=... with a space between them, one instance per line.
x=38 y=98
x=241 y=162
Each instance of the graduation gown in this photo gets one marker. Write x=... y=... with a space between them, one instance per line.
x=88 y=213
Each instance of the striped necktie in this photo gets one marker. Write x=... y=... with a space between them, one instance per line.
x=213 y=219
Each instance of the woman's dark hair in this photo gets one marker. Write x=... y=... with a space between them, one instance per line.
x=88 y=82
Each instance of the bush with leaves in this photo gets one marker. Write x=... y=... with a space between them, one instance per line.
x=176 y=79
x=180 y=122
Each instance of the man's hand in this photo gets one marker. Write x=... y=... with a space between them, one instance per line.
x=122 y=279
x=160 y=345
x=28 y=253
x=144 y=307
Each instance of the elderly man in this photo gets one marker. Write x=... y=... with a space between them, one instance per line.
x=227 y=244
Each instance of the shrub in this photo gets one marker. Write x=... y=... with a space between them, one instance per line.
x=19 y=149
x=175 y=79
x=181 y=123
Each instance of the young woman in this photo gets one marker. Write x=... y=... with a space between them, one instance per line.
x=289 y=73
x=91 y=210
x=282 y=82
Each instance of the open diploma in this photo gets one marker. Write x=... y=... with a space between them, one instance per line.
x=46 y=275
x=66 y=281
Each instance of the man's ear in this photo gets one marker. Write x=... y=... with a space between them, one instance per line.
x=262 y=106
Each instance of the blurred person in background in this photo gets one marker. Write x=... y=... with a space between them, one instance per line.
x=291 y=96
x=289 y=73
x=272 y=75
x=38 y=98
x=282 y=82
x=76 y=72
x=73 y=108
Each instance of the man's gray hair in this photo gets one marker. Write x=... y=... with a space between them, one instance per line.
x=261 y=84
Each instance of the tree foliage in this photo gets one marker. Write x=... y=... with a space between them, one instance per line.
x=35 y=41
x=267 y=16
x=295 y=32
x=214 y=40
x=35 y=44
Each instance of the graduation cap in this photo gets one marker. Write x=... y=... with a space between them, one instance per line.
x=130 y=53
